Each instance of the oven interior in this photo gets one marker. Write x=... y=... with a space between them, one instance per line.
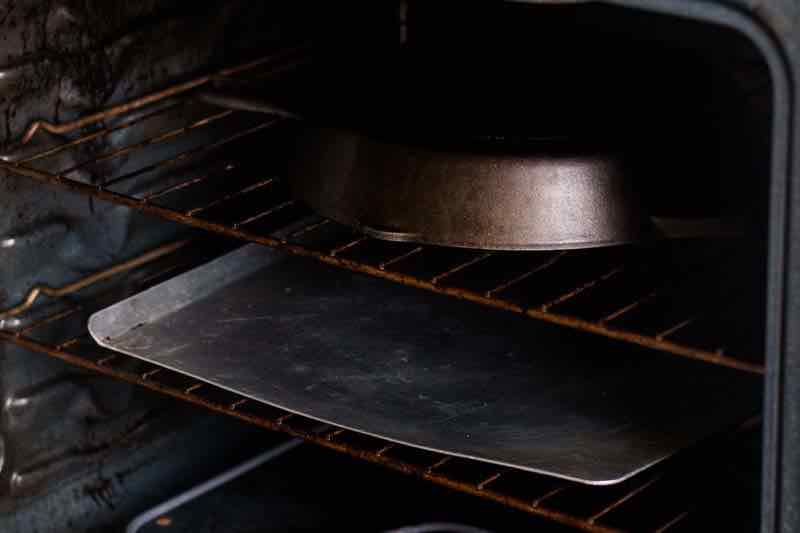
x=117 y=177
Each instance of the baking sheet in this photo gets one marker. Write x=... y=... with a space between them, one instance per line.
x=426 y=370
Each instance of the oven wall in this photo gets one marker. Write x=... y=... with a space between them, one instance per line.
x=58 y=61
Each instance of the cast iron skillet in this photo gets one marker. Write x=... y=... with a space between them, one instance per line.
x=534 y=194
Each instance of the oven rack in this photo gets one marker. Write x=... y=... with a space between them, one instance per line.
x=265 y=214
x=48 y=313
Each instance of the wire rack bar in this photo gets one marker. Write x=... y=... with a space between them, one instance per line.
x=675 y=521
x=624 y=498
x=150 y=141
x=219 y=201
x=628 y=308
x=186 y=183
x=401 y=257
x=579 y=289
x=536 y=504
x=99 y=133
x=183 y=156
x=522 y=277
x=83 y=283
x=159 y=96
x=474 y=261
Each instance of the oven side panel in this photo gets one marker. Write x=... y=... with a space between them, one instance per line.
x=59 y=61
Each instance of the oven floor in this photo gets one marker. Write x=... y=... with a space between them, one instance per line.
x=312 y=489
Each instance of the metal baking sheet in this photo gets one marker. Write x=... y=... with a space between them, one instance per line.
x=425 y=370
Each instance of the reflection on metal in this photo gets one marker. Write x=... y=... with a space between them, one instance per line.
x=34 y=236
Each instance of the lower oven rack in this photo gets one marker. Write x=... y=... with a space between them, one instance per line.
x=662 y=492
x=272 y=218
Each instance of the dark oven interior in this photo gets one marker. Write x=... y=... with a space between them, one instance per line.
x=118 y=175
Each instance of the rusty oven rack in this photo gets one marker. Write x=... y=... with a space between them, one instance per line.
x=266 y=215
x=658 y=500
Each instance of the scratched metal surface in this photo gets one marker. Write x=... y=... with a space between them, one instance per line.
x=425 y=370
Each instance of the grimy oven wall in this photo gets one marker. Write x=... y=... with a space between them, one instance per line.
x=692 y=101
x=59 y=60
